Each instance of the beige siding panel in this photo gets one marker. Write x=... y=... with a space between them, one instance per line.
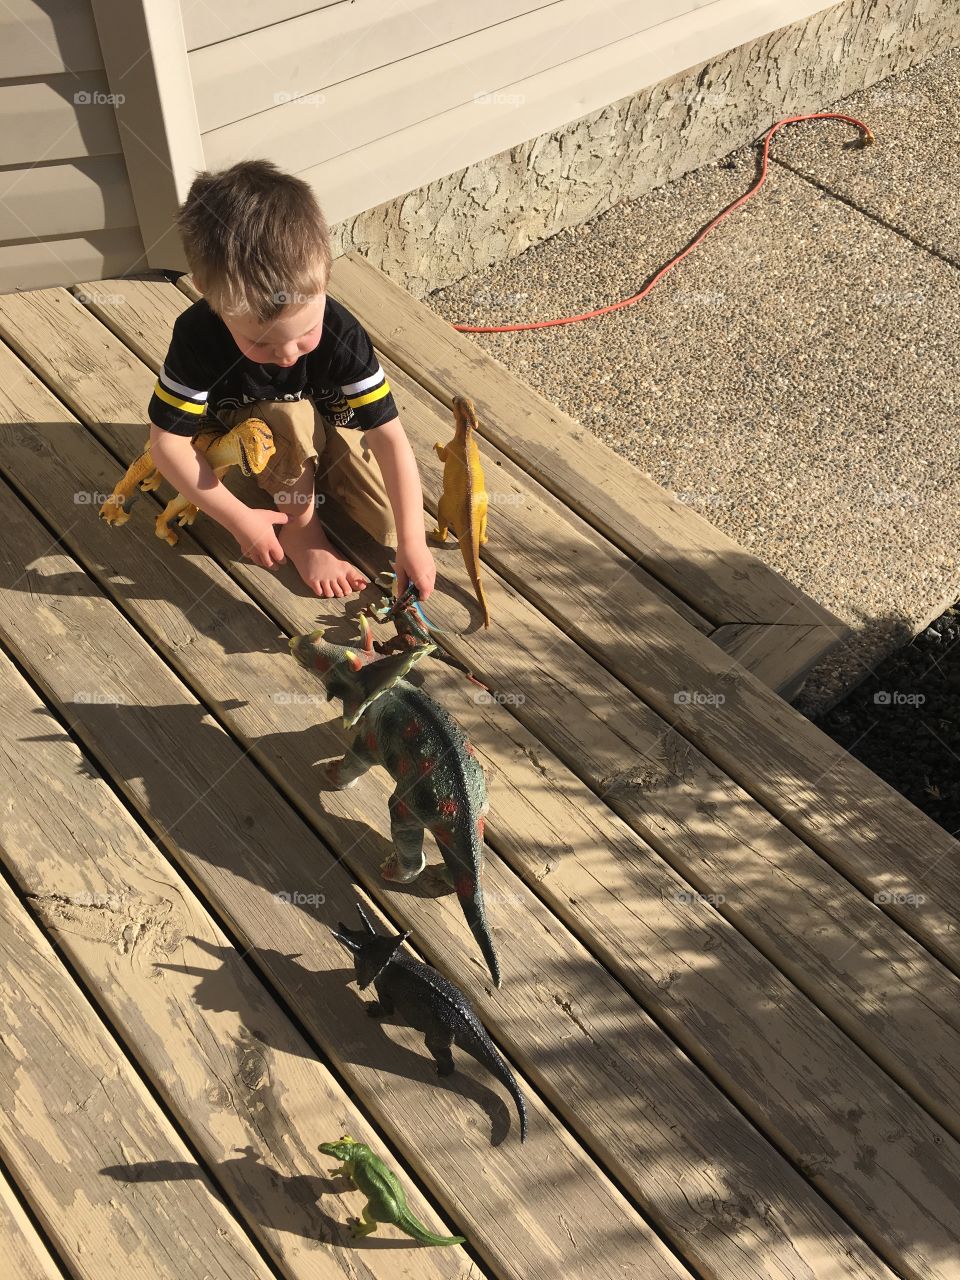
x=210 y=23
x=402 y=161
x=44 y=37
x=39 y=264
x=349 y=115
x=62 y=199
x=41 y=121
x=239 y=78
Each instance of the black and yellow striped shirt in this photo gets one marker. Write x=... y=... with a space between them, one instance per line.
x=205 y=370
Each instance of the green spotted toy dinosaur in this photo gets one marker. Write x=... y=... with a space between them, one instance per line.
x=386 y=1198
x=440 y=785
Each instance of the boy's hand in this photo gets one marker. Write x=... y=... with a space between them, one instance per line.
x=416 y=564
x=254 y=531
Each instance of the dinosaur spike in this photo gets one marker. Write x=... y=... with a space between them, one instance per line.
x=366 y=923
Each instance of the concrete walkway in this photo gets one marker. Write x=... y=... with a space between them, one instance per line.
x=796 y=378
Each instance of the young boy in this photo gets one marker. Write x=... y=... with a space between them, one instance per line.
x=265 y=341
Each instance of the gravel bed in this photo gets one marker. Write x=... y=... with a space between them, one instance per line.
x=903 y=721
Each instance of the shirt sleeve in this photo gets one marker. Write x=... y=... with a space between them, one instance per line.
x=179 y=397
x=363 y=383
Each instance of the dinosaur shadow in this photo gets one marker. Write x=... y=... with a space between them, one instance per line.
x=361 y=1040
x=294 y=1198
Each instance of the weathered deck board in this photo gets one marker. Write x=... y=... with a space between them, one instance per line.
x=871 y=833
x=27 y=1255
x=239 y=838
x=778 y=654
x=142 y=313
x=854 y=964
x=656 y=1120
x=853 y=1075
x=90 y=1150
x=678 y=546
x=235 y=1072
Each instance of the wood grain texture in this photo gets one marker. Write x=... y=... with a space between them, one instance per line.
x=102 y=1168
x=239 y=842
x=27 y=1254
x=238 y=1077
x=224 y=623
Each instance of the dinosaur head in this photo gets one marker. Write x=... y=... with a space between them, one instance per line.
x=255 y=445
x=343 y=1149
x=336 y=664
x=371 y=951
x=464 y=415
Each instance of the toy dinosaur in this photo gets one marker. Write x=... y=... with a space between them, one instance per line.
x=249 y=445
x=425 y=999
x=386 y=1198
x=463 y=502
x=413 y=627
x=440 y=783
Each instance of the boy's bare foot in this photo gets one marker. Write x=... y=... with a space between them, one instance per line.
x=320 y=565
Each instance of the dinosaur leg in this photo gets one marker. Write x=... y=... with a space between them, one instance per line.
x=443 y=521
x=368 y=1225
x=343 y=773
x=407 y=860
x=381 y=1008
x=483 y=525
x=438 y=1041
x=139 y=474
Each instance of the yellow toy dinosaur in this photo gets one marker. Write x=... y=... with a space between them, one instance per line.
x=249 y=446
x=463 y=502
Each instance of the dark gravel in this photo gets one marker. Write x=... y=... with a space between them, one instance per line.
x=903 y=721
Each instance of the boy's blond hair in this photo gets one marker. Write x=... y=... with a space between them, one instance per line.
x=255 y=239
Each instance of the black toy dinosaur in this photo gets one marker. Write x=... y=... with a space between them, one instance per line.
x=425 y=999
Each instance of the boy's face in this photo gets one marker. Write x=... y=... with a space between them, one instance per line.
x=294 y=333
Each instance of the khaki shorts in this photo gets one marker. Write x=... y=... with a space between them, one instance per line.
x=345 y=467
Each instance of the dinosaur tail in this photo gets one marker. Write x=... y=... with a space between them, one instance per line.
x=408 y=1223
x=475 y=1041
x=464 y=868
x=470 y=550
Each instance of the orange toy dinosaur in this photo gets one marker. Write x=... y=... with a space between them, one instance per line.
x=463 y=503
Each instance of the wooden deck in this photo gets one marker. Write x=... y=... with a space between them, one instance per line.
x=730 y=952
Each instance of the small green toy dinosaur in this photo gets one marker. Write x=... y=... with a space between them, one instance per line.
x=386 y=1198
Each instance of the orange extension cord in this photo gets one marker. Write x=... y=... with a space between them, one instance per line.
x=868 y=139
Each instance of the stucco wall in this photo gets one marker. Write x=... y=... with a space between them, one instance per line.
x=497 y=208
